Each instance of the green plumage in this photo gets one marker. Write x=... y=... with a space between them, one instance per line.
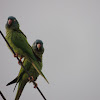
x=19 y=43
x=22 y=77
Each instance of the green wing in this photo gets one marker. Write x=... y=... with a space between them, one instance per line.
x=19 y=40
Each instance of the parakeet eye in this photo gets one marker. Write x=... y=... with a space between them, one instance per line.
x=14 y=20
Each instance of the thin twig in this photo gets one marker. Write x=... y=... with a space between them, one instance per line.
x=22 y=64
x=2 y=95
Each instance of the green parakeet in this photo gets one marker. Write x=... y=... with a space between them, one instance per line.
x=22 y=77
x=18 y=42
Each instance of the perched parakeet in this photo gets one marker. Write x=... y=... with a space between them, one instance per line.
x=18 y=42
x=22 y=77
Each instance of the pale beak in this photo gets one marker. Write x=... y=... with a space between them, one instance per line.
x=38 y=46
x=9 y=22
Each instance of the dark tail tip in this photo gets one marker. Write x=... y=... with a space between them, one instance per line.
x=12 y=82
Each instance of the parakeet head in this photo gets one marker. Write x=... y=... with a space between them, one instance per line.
x=12 y=23
x=38 y=46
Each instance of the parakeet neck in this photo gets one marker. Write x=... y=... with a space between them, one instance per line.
x=38 y=54
x=10 y=30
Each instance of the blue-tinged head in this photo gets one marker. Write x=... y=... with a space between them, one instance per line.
x=12 y=23
x=38 y=46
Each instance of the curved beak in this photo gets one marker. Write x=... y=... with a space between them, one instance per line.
x=38 y=46
x=9 y=22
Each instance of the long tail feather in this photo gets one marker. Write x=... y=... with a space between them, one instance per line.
x=12 y=82
x=40 y=72
x=15 y=87
x=18 y=79
x=20 y=89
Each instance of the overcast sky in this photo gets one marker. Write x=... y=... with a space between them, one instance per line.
x=70 y=31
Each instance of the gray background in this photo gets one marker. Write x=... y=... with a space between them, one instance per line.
x=70 y=30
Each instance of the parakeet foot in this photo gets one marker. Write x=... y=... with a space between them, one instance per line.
x=35 y=85
x=31 y=80
x=19 y=62
x=15 y=55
